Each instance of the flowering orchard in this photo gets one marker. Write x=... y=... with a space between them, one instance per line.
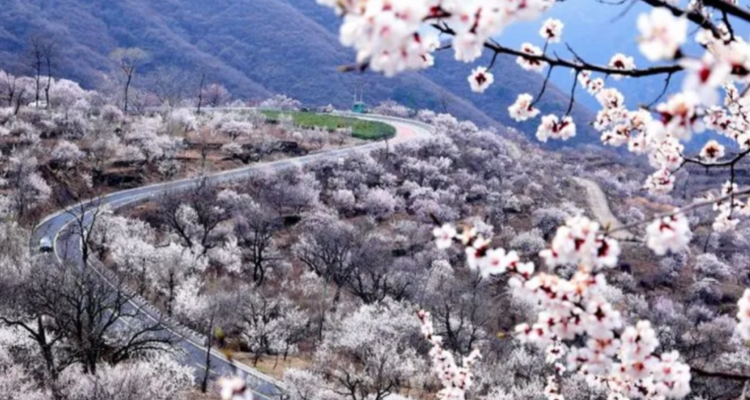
x=581 y=331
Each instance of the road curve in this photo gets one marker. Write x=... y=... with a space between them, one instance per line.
x=600 y=208
x=67 y=247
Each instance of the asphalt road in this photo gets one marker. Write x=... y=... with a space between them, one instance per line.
x=67 y=247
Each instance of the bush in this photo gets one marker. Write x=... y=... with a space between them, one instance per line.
x=709 y=266
x=530 y=242
x=548 y=219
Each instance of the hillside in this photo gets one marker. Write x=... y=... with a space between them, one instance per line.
x=254 y=48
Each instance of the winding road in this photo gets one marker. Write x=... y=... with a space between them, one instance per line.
x=67 y=246
x=596 y=199
x=600 y=208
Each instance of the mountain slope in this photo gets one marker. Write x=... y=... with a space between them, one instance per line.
x=255 y=48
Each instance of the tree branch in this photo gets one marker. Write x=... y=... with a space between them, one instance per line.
x=729 y=8
x=721 y=375
x=695 y=17
x=578 y=65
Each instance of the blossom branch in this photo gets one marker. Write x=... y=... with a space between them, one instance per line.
x=561 y=62
x=729 y=8
x=695 y=17
x=720 y=375
x=683 y=210
x=730 y=163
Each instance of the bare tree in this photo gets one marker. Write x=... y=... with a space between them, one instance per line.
x=95 y=317
x=200 y=92
x=8 y=86
x=193 y=216
x=35 y=54
x=169 y=84
x=49 y=52
x=256 y=227
x=215 y=95
x=128 y=60
x=22 y=93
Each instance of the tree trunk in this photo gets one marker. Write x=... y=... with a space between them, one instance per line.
x=323 y=310
x=49 y=357
x=38 y=78
x=259 y=274
x=18 y=104
x=49 y=82
x=209 y=339
x=127 y=88
x=200 y=93
x=170 y=298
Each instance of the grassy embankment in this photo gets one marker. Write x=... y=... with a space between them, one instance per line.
x=367 y=130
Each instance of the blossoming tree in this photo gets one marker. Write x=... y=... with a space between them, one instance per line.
x=579 y=329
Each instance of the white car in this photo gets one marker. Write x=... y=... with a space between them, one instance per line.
x=45 y=245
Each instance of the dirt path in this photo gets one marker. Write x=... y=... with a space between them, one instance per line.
x=600 y=208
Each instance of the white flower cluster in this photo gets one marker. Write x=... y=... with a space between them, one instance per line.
x=641 y=373
x=580 y=242
x=234 y=388
x=455 y=380
x=551 y=30
x=622 y=62
x=730 y=209
x=712 y=151
x=743 y=315
x=532 y=63
x=692 y=110
x=576 y=321
x=668 y=234
x=553 y=127
x=523 y=108
x=552 y=389
x=481 y=79
x=391 y=35
x=479 y=255
x=662 y=34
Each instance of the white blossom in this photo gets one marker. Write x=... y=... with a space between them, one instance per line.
x=531 y=63
x=523 y=108
x=554 y=128
x=551 y=30
x=668 y=234
x=481 y=79
x=662 y=34
x=621 y=62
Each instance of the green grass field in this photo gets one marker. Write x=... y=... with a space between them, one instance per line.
x=367 y=130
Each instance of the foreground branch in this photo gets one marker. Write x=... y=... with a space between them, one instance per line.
x=578 y=65
x=720 y=375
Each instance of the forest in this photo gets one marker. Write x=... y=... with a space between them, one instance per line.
x=171 y=235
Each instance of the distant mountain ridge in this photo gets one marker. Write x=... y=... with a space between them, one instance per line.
x=257 y=48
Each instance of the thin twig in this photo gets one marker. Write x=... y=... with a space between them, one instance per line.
x=544 y=86
x=663 y=91
x=573 y=93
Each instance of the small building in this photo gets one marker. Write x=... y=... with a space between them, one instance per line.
x=359 y=108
